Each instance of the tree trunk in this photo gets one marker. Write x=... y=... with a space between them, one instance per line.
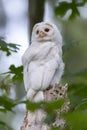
x=36 y=12
x=3 y=20
x=35 y=120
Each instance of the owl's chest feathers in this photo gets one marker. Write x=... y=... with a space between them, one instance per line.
x=44 y=52
x=41 y=56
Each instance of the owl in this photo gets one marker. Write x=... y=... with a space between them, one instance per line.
x=42 y=61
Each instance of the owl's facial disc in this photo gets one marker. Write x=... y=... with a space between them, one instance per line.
x=43 y=33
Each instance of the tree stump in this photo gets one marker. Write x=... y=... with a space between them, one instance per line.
x=35 y=120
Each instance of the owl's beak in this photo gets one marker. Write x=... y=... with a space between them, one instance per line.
x=42 y=34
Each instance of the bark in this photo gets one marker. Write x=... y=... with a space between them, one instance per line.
x=3 y=17
x=3 y=20
x=36 y=12
x=35 y=120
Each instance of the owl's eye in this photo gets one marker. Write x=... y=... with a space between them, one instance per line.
x=37 y=32
x=46 y=29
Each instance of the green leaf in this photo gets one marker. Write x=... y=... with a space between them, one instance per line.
x=49 y=107
x=4 y=126
x=78 y=90
x=63 y=7
x=55 y=128
x=77 y=94
x=32 y=106
x=2 y=123
x=75 y=13
x=7 y=103
x=17 y=73
x=8 y=48
x=3 y=110
x=50 y=118
x=5 y=83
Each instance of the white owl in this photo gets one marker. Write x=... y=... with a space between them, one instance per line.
x=42 y=61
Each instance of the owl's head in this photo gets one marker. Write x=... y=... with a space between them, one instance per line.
x=46 y=31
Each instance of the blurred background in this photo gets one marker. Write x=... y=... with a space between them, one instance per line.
x=17 y=17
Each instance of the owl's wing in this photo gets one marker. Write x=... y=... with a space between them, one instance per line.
x=50 y=67
x=27 y=56
x=31 y=55
x=58 y=73
x=26 y=59
x=35 y=52
x=60 y=69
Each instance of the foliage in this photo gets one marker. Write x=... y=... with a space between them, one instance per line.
x=77 y=120
x=16 y=72
x=75 y=49
x=8 y=48
x=6 y=82
x=62 y=8
x=6 y=104
x=48 y=107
